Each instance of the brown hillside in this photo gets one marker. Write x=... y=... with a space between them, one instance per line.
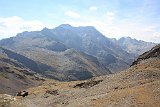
x=14 y=76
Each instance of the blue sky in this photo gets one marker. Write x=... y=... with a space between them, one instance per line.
x=114 y=18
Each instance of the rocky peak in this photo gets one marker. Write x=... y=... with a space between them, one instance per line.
x=65 y=26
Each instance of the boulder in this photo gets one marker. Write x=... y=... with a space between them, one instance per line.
x=22 y=93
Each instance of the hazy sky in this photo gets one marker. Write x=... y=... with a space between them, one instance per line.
x=138 y=19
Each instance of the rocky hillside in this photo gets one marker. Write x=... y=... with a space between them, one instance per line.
x=133 y=46
x=154 y=52
x=92 y=42
x=51 y=42
x=15 y=76
x=139 y=86
x=34 y=66
x=64 y=66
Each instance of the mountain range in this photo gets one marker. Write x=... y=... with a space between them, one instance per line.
x=68 y=53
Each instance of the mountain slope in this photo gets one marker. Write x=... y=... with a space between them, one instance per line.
x=154 y=52
x=133 y=46
x=91 y=41
x=34 y=66
x=138 y=86
x=14 y=76
x=54 y=59
x=83 y=39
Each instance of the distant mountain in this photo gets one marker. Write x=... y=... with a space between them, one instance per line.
x=133 y=46
x=91 y=41
x=15 y=76
x=49 y=46
x=53 y=58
